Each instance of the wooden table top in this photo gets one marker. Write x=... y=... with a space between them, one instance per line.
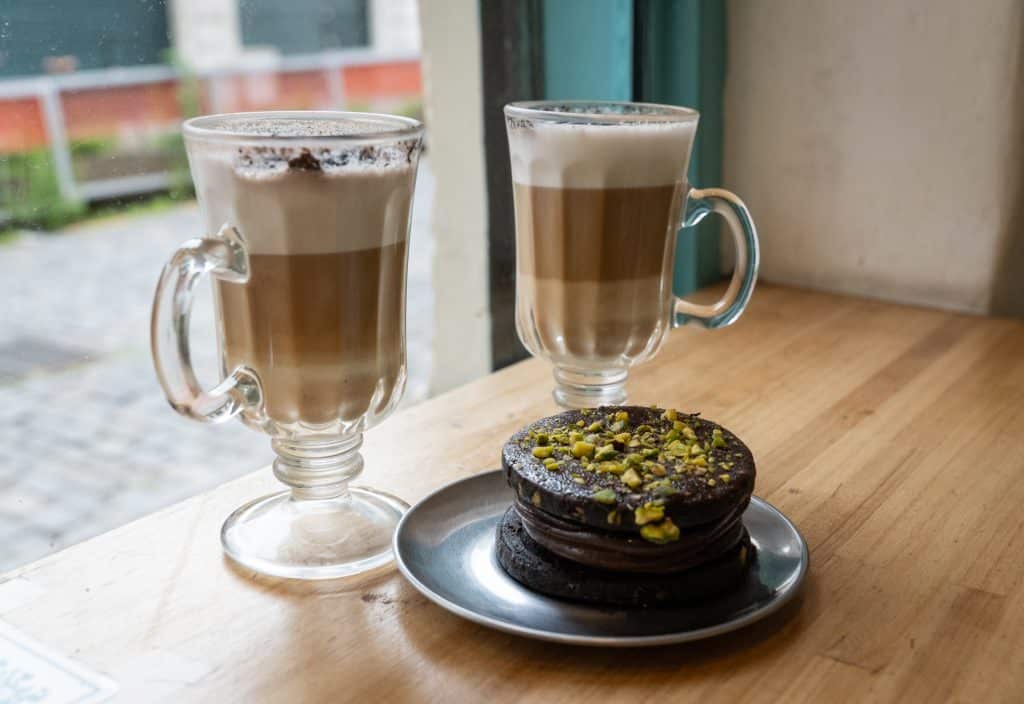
x=892 y=436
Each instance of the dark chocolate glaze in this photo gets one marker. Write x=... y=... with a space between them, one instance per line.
x=695 y=503
x=624 y=553
x=543 y=571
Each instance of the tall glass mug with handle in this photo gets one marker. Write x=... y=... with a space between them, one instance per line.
x=600 y=192
x=306 y=218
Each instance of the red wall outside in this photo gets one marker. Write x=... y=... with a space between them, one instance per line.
x=113 y=111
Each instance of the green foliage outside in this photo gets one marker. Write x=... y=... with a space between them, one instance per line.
x=30 y=195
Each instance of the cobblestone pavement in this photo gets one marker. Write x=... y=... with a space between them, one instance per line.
x=87 y=440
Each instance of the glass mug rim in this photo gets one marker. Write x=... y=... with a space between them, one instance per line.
x=392 y=127
x=594 y=112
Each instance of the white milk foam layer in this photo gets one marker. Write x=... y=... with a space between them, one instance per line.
x=563 y=155
x=283 y=211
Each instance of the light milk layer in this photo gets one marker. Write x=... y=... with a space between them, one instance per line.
x=561 y=155
x=294 y=211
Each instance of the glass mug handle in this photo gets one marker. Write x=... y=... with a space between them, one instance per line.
x=225 y=256
x=700 y=202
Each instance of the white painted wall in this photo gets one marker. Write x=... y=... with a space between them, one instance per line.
x=450 y=32
x=878 y=144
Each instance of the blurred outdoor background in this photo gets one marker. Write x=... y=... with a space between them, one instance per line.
x=95 y=195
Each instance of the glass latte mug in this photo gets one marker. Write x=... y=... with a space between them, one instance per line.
x=306 y=218
x=600 y=192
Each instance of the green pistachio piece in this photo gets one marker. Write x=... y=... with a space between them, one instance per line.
x=622 y=416
x=670 y=414
x=605 y=453
x=580 y=423
x=610 y=467
x=658 y=470
x=595 y=427
x=552 y=465
x=664 y=532
x=582 y=449
x=578 y=479
x=648 y=513
x=575 y=437
x=700 y=461
x=696 y=449
x=631 y=479
x=661 y=487
x=542 y=438
x=543 y=452
x=724 y=478
x=622 y=438
x=716 y=438
x=649 y=453
x=618 y=426
x=614 y=518
x=604 y=496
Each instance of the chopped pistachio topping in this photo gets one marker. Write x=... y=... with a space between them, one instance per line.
x=662 y=456
x=582 y=449
x=664 y=532
x=604 y=496
x=631 y=479
x=614 y=518
x=611 y=467
x=648 y=513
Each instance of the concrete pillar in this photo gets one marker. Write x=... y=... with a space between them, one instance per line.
x=453 y=99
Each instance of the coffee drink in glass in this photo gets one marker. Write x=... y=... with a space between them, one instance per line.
x=600 y=192
x=307 y=217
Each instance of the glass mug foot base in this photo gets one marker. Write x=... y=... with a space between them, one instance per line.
x=574 y=389
x=342 y=536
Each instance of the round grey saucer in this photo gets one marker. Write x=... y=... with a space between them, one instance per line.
x=444 y=546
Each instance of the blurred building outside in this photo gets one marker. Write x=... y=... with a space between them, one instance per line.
x=79 y=127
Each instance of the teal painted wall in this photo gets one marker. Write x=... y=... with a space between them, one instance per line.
x=588 y=49
x=682 y=62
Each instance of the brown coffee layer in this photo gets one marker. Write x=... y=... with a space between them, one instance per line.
x=324 y=332
x=625 y=553
x=596 y=234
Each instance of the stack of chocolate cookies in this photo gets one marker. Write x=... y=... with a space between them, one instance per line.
x=627 y=506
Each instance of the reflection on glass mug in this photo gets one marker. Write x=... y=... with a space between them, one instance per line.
x=600 y=192
x=306 y=219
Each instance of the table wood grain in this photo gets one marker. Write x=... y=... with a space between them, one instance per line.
x=892 y=436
